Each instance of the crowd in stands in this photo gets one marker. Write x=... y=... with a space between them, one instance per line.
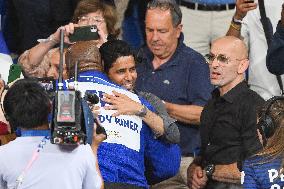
x=189 y=93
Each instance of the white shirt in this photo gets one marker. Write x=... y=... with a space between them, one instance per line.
x=55 y=167
x=260 y=79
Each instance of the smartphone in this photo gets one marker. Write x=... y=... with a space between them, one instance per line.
x=249 y=1
x=84 y=33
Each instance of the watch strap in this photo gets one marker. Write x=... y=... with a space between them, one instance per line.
x=236 y=21
x=142 y=112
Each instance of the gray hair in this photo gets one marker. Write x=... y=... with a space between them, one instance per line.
x=165 y=5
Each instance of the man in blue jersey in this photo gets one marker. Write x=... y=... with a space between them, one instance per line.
x=130 y=142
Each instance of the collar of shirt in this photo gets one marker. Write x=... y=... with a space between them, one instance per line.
x=233 y=94
x=93 y=73
x=173 y=61
x=27 y=133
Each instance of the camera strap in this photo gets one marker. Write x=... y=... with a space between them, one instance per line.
x=268 y=31
x=36 y=152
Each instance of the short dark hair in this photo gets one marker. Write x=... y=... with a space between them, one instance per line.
x=112 y=50
x=165 y=5
x=26 y=104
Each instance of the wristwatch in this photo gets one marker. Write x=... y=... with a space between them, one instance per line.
x=236 y=21
x=142 y=112
x=209 y=170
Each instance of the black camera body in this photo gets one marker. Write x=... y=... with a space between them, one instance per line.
x=68 y=123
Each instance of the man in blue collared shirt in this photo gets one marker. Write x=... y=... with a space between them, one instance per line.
x=177 y=74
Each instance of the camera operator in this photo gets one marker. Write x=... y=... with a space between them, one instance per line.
x=4 y=126
x=31 y=161
x=265 y=169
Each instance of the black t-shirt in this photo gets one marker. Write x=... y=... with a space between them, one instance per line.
x=228 y=126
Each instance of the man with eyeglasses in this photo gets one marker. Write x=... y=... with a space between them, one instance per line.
x=176 y=74
x=228 y=121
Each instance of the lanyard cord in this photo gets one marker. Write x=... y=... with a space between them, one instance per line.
x=35 y=155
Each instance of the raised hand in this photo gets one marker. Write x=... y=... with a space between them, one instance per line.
x=122 y=104
x=242 y=8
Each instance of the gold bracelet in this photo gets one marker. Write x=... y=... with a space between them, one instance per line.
x=236 y=27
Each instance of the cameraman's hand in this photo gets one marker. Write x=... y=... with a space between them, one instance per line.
x=68 y=30
x=95 y=109
x=242 y=7
x=97 y=138
x=196 y=177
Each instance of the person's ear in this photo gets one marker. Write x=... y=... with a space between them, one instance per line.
x=243 y=66
x=178 y=30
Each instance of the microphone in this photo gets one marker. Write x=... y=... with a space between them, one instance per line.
x=91 y=97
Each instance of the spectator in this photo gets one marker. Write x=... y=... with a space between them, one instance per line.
x=42 y=60
x=130 y=142
x=176 y=74
x=3 y=123
x=119 y=65
x=133 y=25
x=206 y=20
x=4 y=128
x=26 y=22
x=5 y=59
x=263 y=170
x=227 y=129
x=247 y=24
x=27 y=105
x=275 y=52
x=120 y=5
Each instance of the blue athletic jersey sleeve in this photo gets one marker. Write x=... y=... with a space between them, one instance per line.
x=162 y=160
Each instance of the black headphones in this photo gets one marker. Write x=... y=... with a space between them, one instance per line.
x=266 y=123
